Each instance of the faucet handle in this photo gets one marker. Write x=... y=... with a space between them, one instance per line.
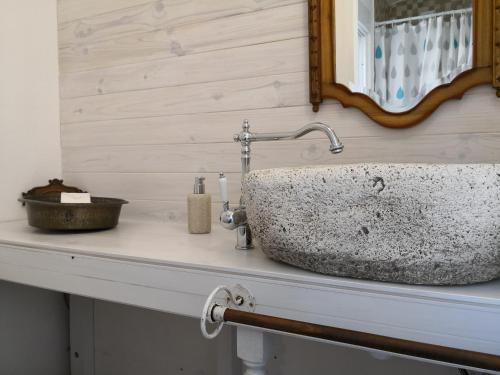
x=226 y=216
x=245 y=126
x=223 y=188
x=240 y=137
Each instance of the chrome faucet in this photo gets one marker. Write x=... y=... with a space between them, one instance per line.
x=237 y=218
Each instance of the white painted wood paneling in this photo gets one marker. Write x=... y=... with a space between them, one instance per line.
x=280 y=90
x=279 y=23
x=140 y=118
x=455 y=117
x=97 y=20
x=287 y=56
x=76 y=9
x=192 y=128
x=165 y=211
x=214 y=157
x=151 y=186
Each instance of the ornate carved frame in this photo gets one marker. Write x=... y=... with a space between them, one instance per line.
x=486 y=69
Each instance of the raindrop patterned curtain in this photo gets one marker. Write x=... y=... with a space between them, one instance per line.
x=412 y=59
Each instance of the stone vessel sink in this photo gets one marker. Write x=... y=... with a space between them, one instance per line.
x=410 y=223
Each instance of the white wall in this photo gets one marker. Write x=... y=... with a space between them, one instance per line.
x=346 y=39
x=33 y=322
x=29 y=100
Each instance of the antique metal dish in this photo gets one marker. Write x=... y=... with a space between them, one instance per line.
x=46 y=212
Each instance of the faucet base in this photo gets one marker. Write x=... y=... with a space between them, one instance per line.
x=243 y=238
x=244 y=248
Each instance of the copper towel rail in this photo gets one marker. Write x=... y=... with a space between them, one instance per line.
x=444 y=354
x=240 y=307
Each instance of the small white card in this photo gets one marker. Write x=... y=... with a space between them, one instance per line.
x=75 y=198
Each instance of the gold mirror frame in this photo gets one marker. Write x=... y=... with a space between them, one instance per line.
x=486 y=66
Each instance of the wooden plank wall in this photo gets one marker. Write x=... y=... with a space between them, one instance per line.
x=152 y=91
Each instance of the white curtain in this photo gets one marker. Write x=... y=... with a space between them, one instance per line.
x=412 y=59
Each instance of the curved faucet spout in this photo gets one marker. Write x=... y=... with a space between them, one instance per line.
x=335 y=145
x=246 y=136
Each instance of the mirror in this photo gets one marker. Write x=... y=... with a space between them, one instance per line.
x=398 y=60
x=397 y=51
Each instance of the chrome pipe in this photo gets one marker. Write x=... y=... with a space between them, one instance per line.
x=335 y=145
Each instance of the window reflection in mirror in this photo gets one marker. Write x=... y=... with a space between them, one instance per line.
x=397 y=51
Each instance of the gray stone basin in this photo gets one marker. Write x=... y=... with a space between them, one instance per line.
x=410 y=223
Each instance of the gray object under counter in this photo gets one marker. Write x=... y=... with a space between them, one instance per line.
x=410 y=223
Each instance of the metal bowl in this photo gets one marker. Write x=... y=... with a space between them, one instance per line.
x=49 y=214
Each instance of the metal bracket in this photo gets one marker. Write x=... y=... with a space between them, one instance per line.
x=243 y=299
x=237 y=297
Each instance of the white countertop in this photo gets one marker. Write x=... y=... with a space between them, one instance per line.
x=160 y=266
x=171 y=244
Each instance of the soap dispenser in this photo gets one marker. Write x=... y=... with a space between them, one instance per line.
x=199 y=208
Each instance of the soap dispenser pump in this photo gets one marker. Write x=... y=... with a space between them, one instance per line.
x=199 y=208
